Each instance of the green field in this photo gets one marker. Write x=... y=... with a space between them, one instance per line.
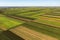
x=8 y=22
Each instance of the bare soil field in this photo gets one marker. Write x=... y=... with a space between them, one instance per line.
x=31 y=34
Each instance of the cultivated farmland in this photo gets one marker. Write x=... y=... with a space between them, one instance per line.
x=30 y=23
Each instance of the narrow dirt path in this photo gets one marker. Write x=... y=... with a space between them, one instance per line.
x=19 y=18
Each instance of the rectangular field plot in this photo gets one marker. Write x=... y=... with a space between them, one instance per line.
x=6 y=23
x=29 y=34
x=49 y=21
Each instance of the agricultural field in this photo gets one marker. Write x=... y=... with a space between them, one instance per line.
x=31 y=23
x=7 y=23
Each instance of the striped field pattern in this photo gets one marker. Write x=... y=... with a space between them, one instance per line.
x=30 y=23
